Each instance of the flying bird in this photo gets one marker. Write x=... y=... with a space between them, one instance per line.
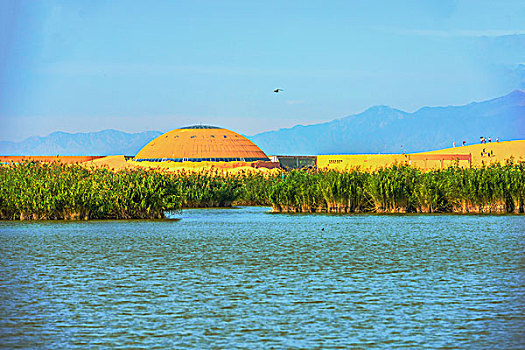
x=277 y=90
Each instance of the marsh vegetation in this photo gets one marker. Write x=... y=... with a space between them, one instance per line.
x=403 y=189
x=38 y=191
x=44 y=191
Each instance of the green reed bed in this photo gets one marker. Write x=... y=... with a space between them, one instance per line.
x=215 y=188
x=36 y=191
x=207 y=189
x=396 y=189
x=40 y=191
x=255 y=188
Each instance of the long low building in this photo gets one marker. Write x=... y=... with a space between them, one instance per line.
x=465 y=156
x=373 y=161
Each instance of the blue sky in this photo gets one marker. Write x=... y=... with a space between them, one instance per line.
x=80 y=66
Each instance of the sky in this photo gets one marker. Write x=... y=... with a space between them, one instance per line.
x=82 y=66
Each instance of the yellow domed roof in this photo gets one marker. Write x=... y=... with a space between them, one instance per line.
x=201 y=143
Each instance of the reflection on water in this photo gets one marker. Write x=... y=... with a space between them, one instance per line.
x=243 y=278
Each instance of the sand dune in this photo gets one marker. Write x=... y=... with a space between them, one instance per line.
x=489 y=152
x=119 y=163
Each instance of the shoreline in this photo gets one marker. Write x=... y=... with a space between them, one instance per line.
x=276 y=212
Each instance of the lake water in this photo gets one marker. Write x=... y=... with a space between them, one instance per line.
x=243 y=278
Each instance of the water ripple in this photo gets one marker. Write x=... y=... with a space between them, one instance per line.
x=242 y=278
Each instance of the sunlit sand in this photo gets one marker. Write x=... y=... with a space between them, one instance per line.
x=481 y=154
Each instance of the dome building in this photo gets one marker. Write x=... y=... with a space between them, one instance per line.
x=201 y=143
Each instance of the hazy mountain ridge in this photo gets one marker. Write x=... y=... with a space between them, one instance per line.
x=379 y=129
x=105 y=142
x=382 y=129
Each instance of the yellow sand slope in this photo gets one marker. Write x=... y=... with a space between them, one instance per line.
x=112 y=162
x=119 y=163
x=499 y=151
x=479 y=154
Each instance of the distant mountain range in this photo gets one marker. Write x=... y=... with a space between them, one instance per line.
x=379 y=129
x=388 y=130
x=105 y=142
